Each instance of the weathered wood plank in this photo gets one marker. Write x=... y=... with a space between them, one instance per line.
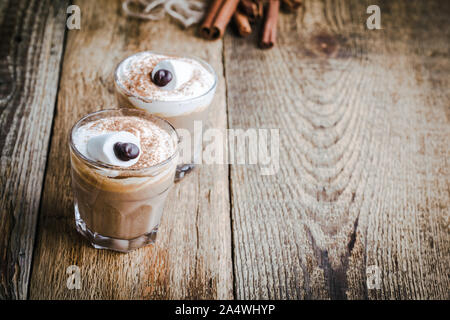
x=32 y=37
x=364 y=173
x=192 y=256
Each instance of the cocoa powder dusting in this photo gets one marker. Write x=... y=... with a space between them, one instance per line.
x=136 y=79
x=156 y=143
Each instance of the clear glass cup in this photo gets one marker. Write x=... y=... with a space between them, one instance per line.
x=195 y=117
x=120 y=208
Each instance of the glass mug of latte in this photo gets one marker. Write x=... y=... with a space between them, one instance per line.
x=123 y=164
x=178 y=89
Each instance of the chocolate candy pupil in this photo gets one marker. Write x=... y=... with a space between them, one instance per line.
x=162 y=77
x=126 y=151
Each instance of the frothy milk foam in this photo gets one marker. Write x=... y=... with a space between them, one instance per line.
x=156 y=145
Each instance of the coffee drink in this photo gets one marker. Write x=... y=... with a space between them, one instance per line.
x=123 y=165
x=178 y=89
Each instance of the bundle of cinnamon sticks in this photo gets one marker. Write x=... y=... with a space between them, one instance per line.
x=245 y=13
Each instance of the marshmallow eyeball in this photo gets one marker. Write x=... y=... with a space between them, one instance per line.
x=115 y=148
x=170 y=74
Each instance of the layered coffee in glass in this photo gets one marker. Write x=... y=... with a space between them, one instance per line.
x=123 y=165
x=178 y=89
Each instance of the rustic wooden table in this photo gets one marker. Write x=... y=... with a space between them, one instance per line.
x=364 y=119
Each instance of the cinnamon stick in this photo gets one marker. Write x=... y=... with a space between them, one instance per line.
x=252 y=8
x=291 y=5
x=217 y=18
x=206 y=26
x=270 y=25
x=242 y=23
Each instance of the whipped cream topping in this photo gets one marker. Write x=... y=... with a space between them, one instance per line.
x=190 y=78
x=95 y=141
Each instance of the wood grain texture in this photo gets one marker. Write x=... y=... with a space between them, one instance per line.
x=32 y=36
x=192 y=256
x=364 y=172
